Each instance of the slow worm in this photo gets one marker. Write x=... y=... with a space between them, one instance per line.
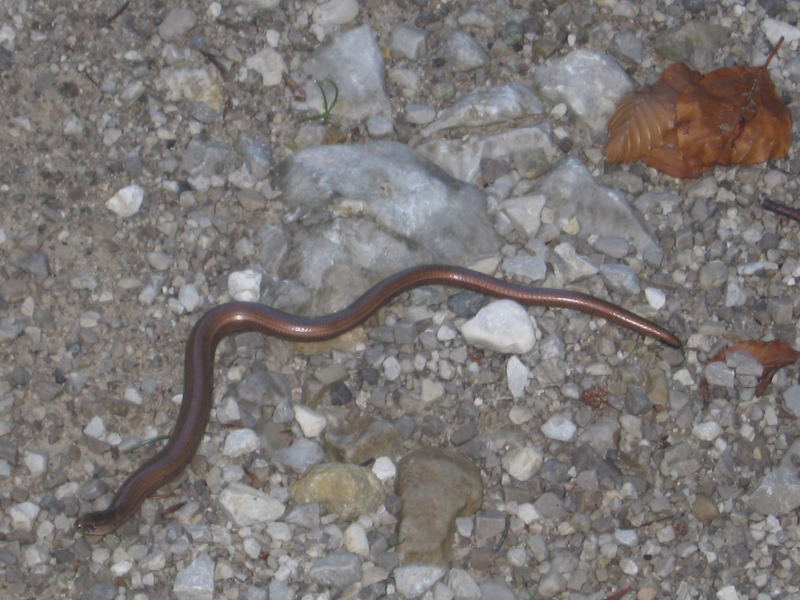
x=236 y=317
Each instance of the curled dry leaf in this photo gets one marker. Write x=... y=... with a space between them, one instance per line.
x=686 y=123
x=772 y=356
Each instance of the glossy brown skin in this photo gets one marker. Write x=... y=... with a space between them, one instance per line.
x=236 y=317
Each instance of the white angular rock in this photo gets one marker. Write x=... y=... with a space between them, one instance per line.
x=355 y=539
x=559 y=427
x=311 y=422
x=196 y=581
x=335 y=12
x=245 y=285
x=127 y=201
x=517 y=374
x=248 y=506
x=240 y=442
x=23 y=515
x=523 y=463
x=502 y=326
x=415 y=579
x=655 y=297
x=269 y=64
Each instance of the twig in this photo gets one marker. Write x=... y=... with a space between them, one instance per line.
x=108 y=20
x=780 y=209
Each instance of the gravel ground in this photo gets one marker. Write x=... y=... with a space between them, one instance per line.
x=96 y=307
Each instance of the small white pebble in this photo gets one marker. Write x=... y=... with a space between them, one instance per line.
x=240 y=442
x=728 y=593
x=707 y=431
x=189 y=297
x=311 y=422
x=95 y=428
x=127 y=201
x=655 y=297
x=132 y=395
x=384 y=468
x=355 y=539
x=528 y=513
x=245 y=285
x=559 y=427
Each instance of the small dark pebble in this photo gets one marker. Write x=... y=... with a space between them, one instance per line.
x=370 y=375
x=464 y=434
x=103 y=590
x=340 y=394
x=19 y=377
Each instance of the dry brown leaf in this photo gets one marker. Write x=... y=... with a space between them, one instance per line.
x=639 y=123
x=641 y=120
x=772 y=356
x=733 y=116
x=686 y=123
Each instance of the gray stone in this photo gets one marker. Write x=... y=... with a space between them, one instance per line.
x=778 y=493
x=301 y=455
x=436 y=487
x=571 y=191
x=376 y=195
x=178 y=21
x=354 y=61
x=196 y=581
x=408 y=41
x=462 y=52
x=531 y=150
x=621 y=278
x=589 y=83
x=336 y=570
x=496 y=104
x=416 y=579
x=502 y=326
x=247 y=506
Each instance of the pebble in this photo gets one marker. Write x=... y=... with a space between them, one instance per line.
x=245 y=285
x=189 y=297
x=348 y=491
x=335 y=12
x=384 y=468
x=523 y=463
x=23 y=515
x=463 y=585
x=559 y=427
x=337 y=570
x=36 y=462
x=178 y=22
x=414 y=580
x=462 y=53
x=355 y=539
x=311 y=422
x=95 y=428
x=502 y=326
x=621 y=278
x=517 y=374
x=707 y=431
x=268 y=63
x=240 y=442
x=588 y=82
x=301 y=455
x=728 y=593
x=655 y=297
x=248 y=506
x=127 y=201
x=196 y=581
x=408 y=41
